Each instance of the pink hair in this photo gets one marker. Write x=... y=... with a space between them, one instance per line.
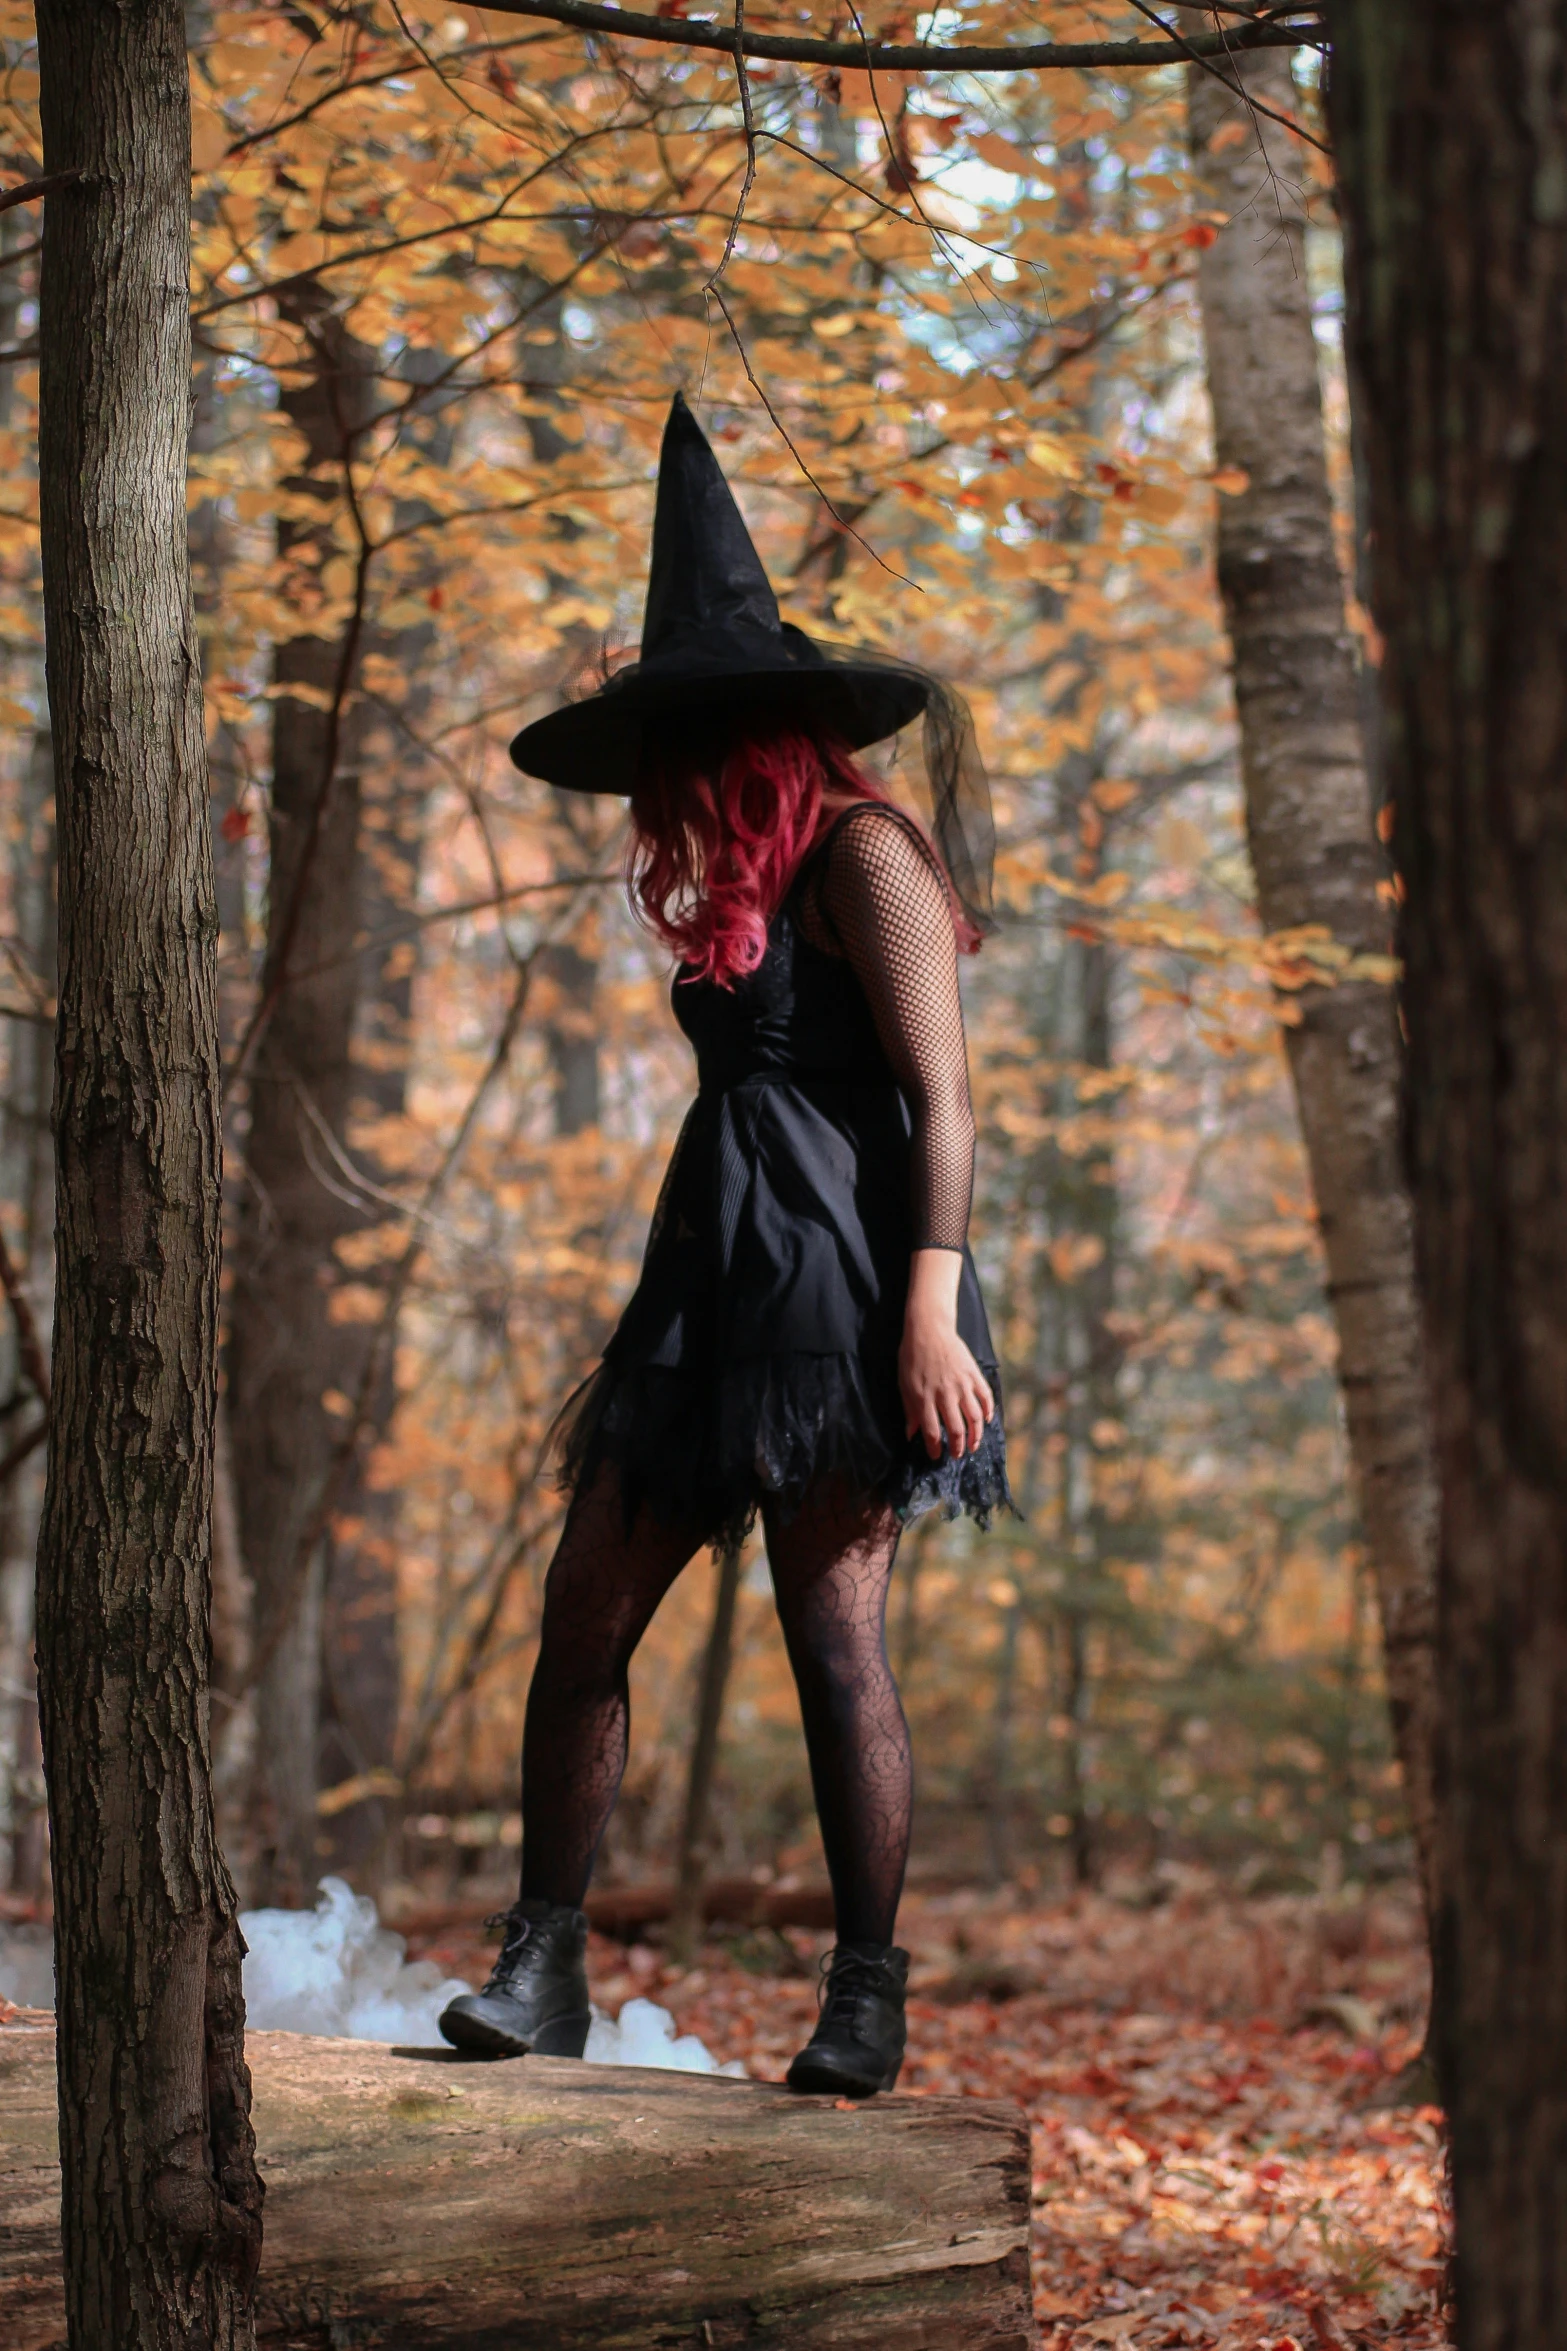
x=718 y=835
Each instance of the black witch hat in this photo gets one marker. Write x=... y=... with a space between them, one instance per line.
x=713 y=646
x=712 y=642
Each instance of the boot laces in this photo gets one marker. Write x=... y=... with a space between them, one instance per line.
x=846 y=1977
x=515 y=1933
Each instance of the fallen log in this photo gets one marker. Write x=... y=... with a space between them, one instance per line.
x=623 y=1912
x=417 y=2201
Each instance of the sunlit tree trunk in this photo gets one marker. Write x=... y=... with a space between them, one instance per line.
x=161 y=2199
x=1310 y=824
x=1450 y=128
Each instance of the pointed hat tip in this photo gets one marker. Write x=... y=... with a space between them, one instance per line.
x=706 y=579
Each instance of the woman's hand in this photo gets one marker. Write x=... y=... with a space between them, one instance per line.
x=942 y=1386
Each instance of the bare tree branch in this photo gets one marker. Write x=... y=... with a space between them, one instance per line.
x=29 y=191
x=919 y=56
x=1228 y=44
x=749 y=119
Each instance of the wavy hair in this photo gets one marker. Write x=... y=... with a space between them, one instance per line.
x=719 y=829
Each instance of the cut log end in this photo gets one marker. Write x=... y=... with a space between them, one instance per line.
x=415 y=2200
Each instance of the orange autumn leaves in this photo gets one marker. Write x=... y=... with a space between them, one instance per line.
x=969 y=308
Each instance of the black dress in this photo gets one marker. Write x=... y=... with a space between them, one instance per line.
x=831 y=1135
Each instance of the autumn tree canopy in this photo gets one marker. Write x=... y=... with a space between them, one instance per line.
x=447 y=269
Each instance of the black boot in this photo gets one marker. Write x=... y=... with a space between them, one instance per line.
x=859 y=2040
x=537 y=1995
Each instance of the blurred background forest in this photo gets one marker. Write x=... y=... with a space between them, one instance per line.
x=449 y=267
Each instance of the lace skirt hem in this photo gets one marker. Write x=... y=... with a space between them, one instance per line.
x=712 y=1452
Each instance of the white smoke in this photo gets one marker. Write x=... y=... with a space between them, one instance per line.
x=336 y=1970
x=644 y=2034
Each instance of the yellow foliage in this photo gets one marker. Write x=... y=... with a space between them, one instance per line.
x=982 y=346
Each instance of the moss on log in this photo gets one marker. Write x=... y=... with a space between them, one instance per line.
x=415 y=2200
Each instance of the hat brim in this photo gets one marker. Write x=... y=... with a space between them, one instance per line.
x=596 y=745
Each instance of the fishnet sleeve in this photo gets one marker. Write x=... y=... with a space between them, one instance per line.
x=888 y=907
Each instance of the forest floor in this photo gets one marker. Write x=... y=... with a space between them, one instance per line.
x=1211 y=2165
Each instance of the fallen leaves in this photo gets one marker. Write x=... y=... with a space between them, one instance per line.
x=1207 y=2171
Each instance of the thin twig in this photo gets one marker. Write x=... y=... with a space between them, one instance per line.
x=271 y=287
x=749 y=120
x=1114 y=315
x=1228 y=46
x=783 y=433
x=409 y=926
x=439 y=1704
x=365 y=1189
x=938 y=236
x=371 y=81
x=847 y=180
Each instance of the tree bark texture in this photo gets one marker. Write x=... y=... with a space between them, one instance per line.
x=27 y=1187
x=1309 y=820
x=286 y=1353
x=554 y=2206
x=1450 y=125
x=160 y=2195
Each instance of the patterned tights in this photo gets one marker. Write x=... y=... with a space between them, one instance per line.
x=831 y=1566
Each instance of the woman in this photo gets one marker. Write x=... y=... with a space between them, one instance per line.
x=807 y=1339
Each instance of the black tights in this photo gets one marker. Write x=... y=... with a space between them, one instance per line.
x=831 y=1564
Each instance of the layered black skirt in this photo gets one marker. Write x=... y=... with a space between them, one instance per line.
x=759 y=1350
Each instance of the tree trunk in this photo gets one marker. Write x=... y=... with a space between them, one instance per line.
x=691 y=1858
x=27 y=1187
x=160 y=2195
x=555 y=2206
x=286 y=1354
x=1085 y=1209
x=998 y=1780
x=1309 y=819
x=361 y=1672
x=572 y=1036
x=361 y=1680
x=1450 y=124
